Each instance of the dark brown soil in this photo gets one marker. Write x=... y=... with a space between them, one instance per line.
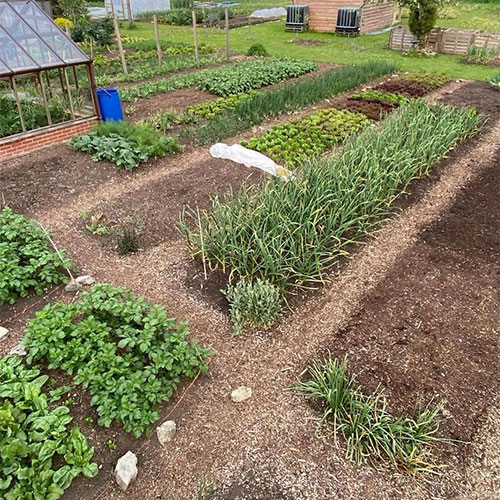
x=372 y=108
x=428 y=330
x=407 y=88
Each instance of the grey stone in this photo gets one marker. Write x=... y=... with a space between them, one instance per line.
x=126 y=470
x=85 y=280
x=166 y=431
x=73 y=286
x=241 y=394
x=18 y=350
x=3 y=332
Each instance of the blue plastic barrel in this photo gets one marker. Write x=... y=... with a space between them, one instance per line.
x=110 y=104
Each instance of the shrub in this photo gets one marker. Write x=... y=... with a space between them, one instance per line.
x=62 y=22
x=72 y=9
x=128 y=353
x=100 y=31
x=40 y=455
x=290 y=233
x=257 y=49
x=127 y=242
x=125 y=144
x=423 y=17
x=370 y=431
x=255 y=303
x=27 y=260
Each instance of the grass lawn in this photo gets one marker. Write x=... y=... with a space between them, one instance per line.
x=334 y=49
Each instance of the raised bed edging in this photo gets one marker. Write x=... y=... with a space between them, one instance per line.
x=38 y=139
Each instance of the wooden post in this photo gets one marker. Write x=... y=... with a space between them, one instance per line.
x=70 y=97
x=120 y=46
x=68 y=31
x=158 y=43
x=13 y=86
x=130 y=15
x=44 y=97
x=195 y=34
x=226 y=17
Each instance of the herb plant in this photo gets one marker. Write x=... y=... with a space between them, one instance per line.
x=40 y=455
x=125 y=351
x=27 y=260
x=256 y=303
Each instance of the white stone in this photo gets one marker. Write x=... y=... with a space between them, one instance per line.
x=241 y=394
x=85 y=280
x=73 y=286
x=3 y=332
x=18 y=350
x=166 y=431
x=126 y=470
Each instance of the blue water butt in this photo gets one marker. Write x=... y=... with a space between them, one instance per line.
x=110 y=104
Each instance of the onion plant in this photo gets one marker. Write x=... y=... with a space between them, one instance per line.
x=290 y=233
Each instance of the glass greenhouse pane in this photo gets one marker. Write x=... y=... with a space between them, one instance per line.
x=49 y=32
x=12 y=55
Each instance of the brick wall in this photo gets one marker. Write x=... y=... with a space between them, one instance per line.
x=16 y=146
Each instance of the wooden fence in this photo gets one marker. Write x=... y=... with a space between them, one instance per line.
x=445 y=40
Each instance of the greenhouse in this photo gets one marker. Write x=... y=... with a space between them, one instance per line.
x=45 y=78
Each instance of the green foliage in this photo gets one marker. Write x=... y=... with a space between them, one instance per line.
x=27 y=261
x=291 y=232
x=125 y=351
x=370 y=431
x=423 y=17
x=249 y=75
x=181 y=4
x=256 y=303
x=295 y=142
x=495 y=81
x=286 y=99
x=127 y=241
x=125 y=144
x=100 y=31
x=257 y=49
x=72 y=9
x=40 y=455
x=481 y=54
x=380 y=95
x=211 y=109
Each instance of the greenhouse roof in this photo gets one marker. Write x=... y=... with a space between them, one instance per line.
x=30 y=41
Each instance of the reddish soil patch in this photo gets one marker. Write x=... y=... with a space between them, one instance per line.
x=372 y=108
x=408 y=88
x=428 y=330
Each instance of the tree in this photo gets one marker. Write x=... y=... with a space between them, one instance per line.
x=423 y=17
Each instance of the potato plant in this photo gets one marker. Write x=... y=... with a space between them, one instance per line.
x=40 y=456
x=27 y=260
x=295 y=142
x=128 y=353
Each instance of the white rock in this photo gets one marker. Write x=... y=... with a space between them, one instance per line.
x=241 y=394
x=3 y=332
x=166 y=431
x=126 y=470
x=85 y=280
x=73 y=286
x=18 y=350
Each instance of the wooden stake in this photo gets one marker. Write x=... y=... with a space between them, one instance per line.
x=157 y=36
x=70 y=97
x=13 y=86
x=130 y=15
x=120 y=46
x=44 y=97
x=226 y=16
x=195 y=34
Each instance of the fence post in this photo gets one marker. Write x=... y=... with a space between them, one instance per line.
x=157 y=36
x=226 y=17
x=120 y=45
x=195 y=35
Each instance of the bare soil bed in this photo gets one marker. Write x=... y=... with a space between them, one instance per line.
x=432 y=313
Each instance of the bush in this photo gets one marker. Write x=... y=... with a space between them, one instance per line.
x=125 y=144
x=27 y=260
x=127 y=352
x=423 y=17
x=370 y=431
x=40 y=456
x=72 y=9
x=257 y=49
x=290 y=233
x=100 y=31
x=255 y=303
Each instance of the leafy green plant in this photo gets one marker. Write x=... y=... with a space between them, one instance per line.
x=99 y=31
x=127 y=241
x=40 y=455
x=294 y=142
x=380 y=95
x=481 y=53
x=210 y=109
x=291 y=232
x=111 y=444
x=431 y=80
x=96 y=225
x=495 y=81
x=125 y=351
x=257 y=49
x=370 y=431
x=125 y=144
x=27 y=261
x=256 y=303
